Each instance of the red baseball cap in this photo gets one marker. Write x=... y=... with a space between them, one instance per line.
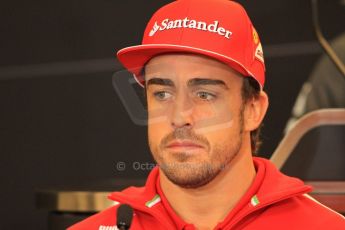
x=220 y=29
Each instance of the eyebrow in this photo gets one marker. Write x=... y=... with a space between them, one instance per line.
x=191 y=83
x=160 y=81
x=206 y=81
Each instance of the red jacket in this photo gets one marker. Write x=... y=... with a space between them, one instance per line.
x=274 y=201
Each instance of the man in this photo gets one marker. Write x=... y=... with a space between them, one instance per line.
x=201 y=64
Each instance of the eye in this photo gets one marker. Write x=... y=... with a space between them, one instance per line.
x=206 y=96
x=162 y=95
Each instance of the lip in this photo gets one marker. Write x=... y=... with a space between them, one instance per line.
x=186 y=144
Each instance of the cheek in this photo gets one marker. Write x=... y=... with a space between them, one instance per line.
x=222 y=138
x=156 y=132
x=221 y=134
x=156 y=113
x=158 y=122
x=215 y=118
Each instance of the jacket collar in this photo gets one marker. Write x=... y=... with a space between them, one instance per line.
x=270 y=186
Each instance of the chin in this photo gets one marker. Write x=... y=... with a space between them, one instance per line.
x=191 y=175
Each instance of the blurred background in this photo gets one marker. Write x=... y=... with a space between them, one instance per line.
x=62 y=125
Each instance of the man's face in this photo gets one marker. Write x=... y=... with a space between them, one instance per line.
x=195 y=116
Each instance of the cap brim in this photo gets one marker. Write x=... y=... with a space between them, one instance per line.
x=134 y=58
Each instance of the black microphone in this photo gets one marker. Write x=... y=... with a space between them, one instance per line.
x=124 y=217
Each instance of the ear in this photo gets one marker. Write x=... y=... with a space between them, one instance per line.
x=255 y=110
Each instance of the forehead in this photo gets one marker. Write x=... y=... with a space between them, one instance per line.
x=181 y=66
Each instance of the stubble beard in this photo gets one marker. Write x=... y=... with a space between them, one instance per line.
x=197 y=174
x=190 y=174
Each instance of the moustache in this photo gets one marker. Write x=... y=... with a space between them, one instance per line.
x=185 y=133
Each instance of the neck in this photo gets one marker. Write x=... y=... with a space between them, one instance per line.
x=207 y=205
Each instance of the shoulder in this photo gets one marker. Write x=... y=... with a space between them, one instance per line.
x=322 y=212
x=304 y=212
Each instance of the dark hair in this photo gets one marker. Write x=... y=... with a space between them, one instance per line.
x=251 y=89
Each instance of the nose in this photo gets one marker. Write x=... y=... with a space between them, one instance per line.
x=182 y=112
